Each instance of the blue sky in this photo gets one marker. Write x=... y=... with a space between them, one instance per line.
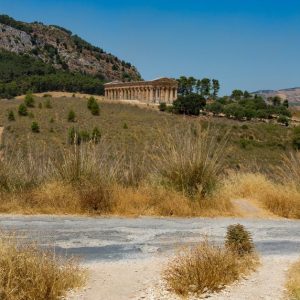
x=246 y=44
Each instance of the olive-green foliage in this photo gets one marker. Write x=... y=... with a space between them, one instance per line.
x=20 y=73
x=35 y=127
x=22 y=110
x=239 y=240
x=296 y=137
x=29 y=100
x=48 y=103
x=76 y=136
x=93 y=106
x=11 y=116
x=189 y=104
x=242 y=108
x=162 y=106
x=71 y=116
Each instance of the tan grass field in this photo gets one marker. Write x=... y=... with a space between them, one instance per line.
x=146 y=163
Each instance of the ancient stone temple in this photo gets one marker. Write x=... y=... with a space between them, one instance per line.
x=155 y=91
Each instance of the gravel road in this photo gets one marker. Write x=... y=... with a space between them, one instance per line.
x=133 y=251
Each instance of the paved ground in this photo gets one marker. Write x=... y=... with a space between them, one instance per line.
x=126 y=255
x=119 y=238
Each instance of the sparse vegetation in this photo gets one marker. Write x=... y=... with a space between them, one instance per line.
x=28 y=272
x=207 y=268
x=293 y=282
x=71 y=116
x=22 y=110
x=35 y=127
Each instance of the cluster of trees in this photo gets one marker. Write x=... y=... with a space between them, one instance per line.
x=208 y=88
x=20 y=73
x=242 y=105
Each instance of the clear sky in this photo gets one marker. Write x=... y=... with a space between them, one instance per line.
x=246 y=44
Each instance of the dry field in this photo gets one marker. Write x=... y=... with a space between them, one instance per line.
x=145 y=163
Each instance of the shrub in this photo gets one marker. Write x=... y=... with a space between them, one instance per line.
x=296 y=138
x=73 y=136
x=90 y=102
x=28 y=272
x=162 y=106
x=125 y=126
x=29 y=100
x=40 y=106
x=71 y=116
x=95 y=110
x=48 y=103
x=11 y=116
x=206 y=268
x=22 y=110
x=190 y=159
x=283 y=120
x=189 y=104
x=35 y=127
x=93 y=106
x=96 y=135
x=239 y=240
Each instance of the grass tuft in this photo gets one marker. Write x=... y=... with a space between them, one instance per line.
x=27 y=272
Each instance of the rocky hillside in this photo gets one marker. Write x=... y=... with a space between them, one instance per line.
x=63 y=50
x=292 y=95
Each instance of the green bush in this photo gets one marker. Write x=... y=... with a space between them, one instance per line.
x=93 y=106
x=96 y=135
x=22 y=110
x=95 y=110
x=296 y=138
x=189 y=105
x=239 y=240
x=71 y=116
x=162 y=106
x=283 y=120
x=11 y=116
x=35 y=127
x=125 y=126
x=29 y=100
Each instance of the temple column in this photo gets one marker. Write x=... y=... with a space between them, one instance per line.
x=151 y=94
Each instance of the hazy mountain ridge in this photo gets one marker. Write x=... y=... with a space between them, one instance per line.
x=291 y=94
x=58 y=47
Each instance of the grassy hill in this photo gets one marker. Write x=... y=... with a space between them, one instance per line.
x=135 y=129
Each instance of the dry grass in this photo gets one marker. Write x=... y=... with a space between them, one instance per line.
x=206 y=268
x=26 y=272
x=293 y=282
x=191 y=158
x=282 y=199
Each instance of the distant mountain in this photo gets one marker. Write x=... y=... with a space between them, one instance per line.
x=59 y=51
x=291 y=94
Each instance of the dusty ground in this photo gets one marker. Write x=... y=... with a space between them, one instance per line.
x=126 y=256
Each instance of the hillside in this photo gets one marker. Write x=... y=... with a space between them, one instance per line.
x=50 y=51
x=292 y=94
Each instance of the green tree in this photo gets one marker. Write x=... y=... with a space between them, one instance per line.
x=189 y=105
x=96 y=135
x=205 y=87
x=29 y=100
x=215 y=87
x=237 y=94
x=90 y=102
x=22 y=110
x=71 y=116
x=286 y=103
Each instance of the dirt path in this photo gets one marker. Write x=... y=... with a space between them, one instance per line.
x=251 y=209
x=141 y=279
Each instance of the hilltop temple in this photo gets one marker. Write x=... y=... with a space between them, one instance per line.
x=155 y=91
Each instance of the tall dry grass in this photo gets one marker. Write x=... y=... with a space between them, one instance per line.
x=27 y=272
x=190 y=159
x=293 y=282
x=206 y=268
x=280 y=198
x=100 y=179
